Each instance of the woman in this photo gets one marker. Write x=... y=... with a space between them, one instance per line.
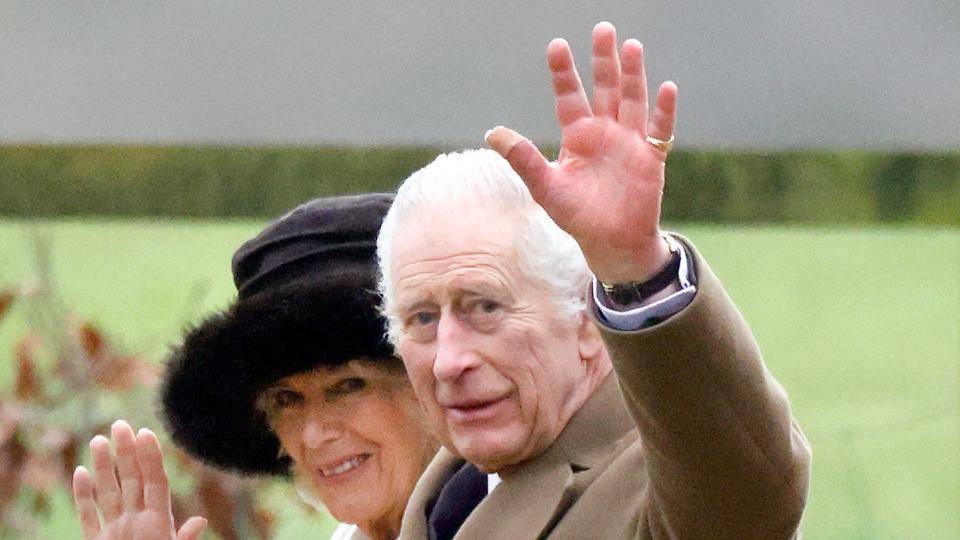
x=295 y=378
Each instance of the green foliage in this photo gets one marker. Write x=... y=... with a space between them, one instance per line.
x=702 y=186
x=190 y=181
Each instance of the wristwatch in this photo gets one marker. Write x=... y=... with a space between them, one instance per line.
x=633 y=292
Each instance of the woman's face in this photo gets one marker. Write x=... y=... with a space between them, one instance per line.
x=357 y=438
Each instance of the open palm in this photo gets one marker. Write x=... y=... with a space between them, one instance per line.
x=134 y=496
x=607 y=185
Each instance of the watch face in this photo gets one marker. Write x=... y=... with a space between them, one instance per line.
x=624 y=294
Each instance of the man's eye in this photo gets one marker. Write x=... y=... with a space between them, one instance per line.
x=421 y=326
x=484 y=314
x=423 y=318
x=489 y=306
x=484 y=307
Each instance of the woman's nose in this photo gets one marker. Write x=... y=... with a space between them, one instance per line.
x=321 y=428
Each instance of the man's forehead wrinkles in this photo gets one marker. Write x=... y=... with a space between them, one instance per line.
x=467 y=257
x=427 y=268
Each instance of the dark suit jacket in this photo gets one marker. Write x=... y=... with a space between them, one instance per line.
x=716 y=455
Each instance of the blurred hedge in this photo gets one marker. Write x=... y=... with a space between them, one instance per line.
x=722 y=187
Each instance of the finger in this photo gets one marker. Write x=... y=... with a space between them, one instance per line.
x=192 y=528
x=665 y=112
x=156 y=488
x=86 y=506
x=633 y=103
x=131 y=479
x=523 y=156
x=107 y=488
x=571 y=100
x=606 y=71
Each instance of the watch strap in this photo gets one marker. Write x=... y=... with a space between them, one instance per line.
x=625 y=294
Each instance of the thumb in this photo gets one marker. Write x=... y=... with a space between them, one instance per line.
x=192 y=528
x=523 y=156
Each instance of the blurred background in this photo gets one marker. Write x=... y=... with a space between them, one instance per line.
x=817 y=167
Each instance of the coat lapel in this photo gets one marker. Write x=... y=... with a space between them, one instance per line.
x=443 y=465
x=529 y=502
x=521 y=506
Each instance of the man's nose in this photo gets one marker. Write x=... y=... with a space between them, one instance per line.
x=455 y=354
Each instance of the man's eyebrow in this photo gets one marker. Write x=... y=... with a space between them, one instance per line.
x=413 y=302
x=484 y=289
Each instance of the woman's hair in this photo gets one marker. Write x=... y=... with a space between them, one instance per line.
x=547 y=254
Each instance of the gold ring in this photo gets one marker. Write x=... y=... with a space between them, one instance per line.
x=664 y=146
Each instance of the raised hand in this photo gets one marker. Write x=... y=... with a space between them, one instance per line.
x=605 y=189
x=135 y=500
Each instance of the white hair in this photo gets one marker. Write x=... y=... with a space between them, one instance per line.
x=547 y=254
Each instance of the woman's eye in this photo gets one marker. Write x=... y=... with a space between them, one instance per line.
x=283 y=399
x=347 y=386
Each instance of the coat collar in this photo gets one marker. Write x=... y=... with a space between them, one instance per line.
x=544 y=487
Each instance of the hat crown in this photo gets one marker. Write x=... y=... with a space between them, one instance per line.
x=319 y=240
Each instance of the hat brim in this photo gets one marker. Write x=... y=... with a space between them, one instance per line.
x=212 y=380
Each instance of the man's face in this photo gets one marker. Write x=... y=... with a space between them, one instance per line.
x=496 y=370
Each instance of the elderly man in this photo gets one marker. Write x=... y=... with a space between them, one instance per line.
x=492 y=307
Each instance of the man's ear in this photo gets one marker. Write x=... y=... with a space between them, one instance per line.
x=589 y=342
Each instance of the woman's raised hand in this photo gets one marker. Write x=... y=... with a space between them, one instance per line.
x=131 y=493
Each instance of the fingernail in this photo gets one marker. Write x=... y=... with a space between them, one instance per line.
x=489 y=132
x=503 y=139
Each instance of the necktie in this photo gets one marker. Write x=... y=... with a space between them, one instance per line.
x=459 y=496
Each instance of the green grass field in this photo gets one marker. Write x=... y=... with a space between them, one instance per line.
x=862 y=326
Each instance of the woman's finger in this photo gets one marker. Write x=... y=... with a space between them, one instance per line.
x=192 y=529
x=107 y=488
x=86 y=505
x=131 y=479
x=156 y=487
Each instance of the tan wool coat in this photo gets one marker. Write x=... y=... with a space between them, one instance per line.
x=696 y=441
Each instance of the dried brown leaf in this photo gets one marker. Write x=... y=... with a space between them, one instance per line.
x=263 y=522
x=92 y=341
x=217 y=503
x=122 y=372
x=41 y=504
x=111 y=370
x=27 y=386
x=69 y=458
x=40 y=473
x=13 y=455
x=6 y=300
x=63 y=447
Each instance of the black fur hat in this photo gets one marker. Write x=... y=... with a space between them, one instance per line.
x=306 y=298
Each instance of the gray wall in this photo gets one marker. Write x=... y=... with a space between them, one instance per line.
x=815 y=73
